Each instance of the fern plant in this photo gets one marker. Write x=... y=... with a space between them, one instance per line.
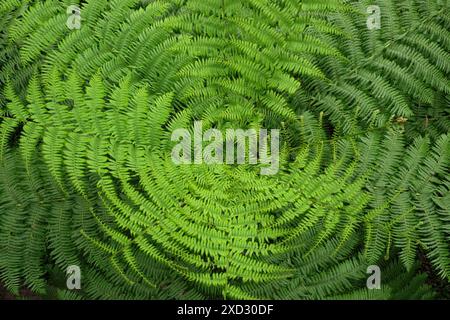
x=87 y=177
x=398 y=73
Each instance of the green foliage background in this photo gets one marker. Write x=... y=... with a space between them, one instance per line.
x=86 y=176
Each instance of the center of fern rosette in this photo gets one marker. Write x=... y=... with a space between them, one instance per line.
x=239 y=146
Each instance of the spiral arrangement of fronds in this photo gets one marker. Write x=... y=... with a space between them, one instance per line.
x=87 y=179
